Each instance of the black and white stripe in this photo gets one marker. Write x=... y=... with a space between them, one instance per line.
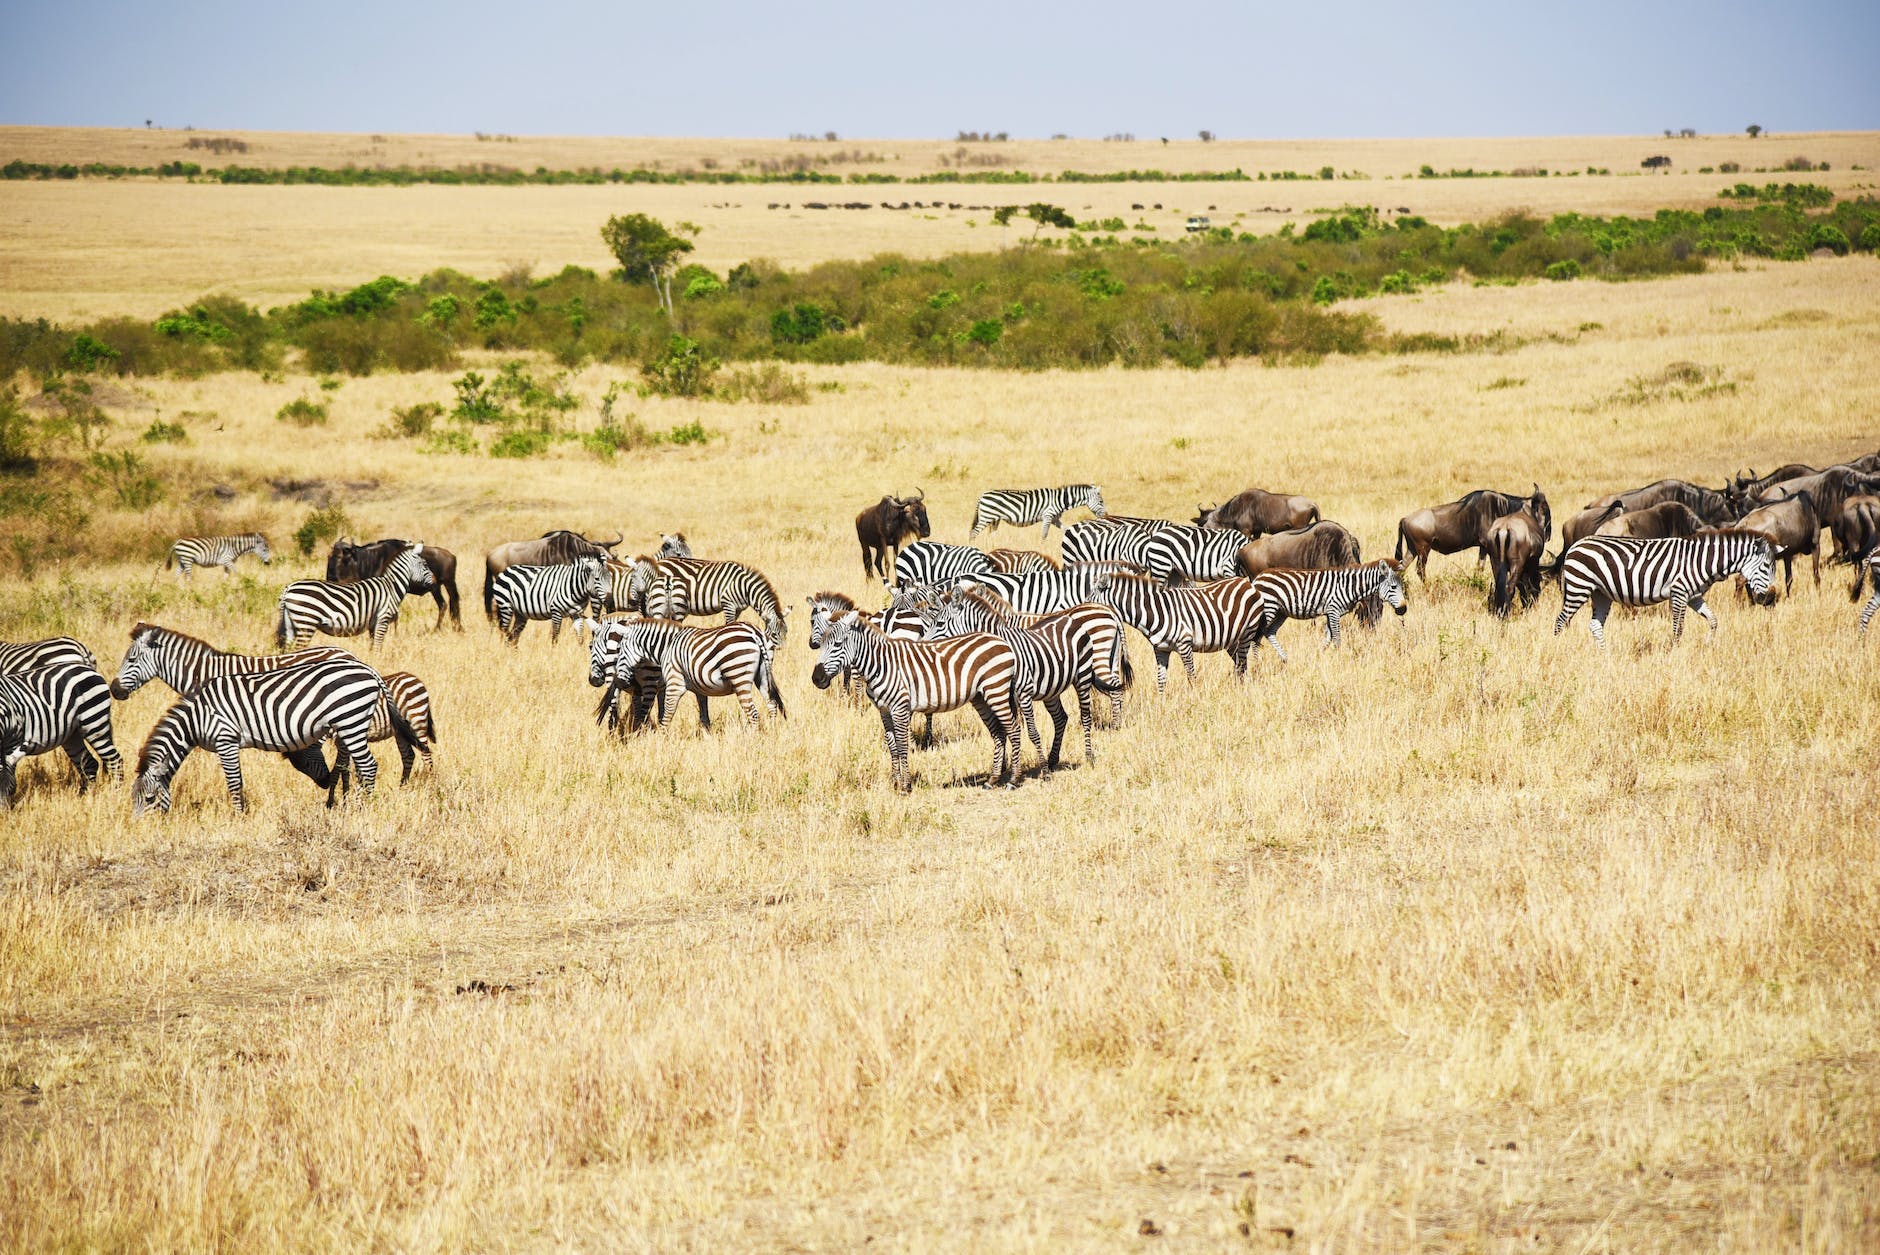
x=558 y=592
x=903 y=677
x=64 y=705
x=1181 y=552
x=348 y=609
x=29 y=655
x=927 y=562
x=186 y=663
x=683 y=588
x=1334 y=593
x=1636 y=572
x=1020 y=561
x=1047 y=592
x=663 y=660
x=291 y=711
x=195 y=551
x=1022 y=507
x=1870 y=568
x=1202 y=618
x=1100 y=540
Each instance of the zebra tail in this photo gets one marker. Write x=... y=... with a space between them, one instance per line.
x=767 y=676
x=400 y=723
x=280 y=626
x=169 y=559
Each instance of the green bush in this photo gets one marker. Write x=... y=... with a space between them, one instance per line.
x=19 y=434
x=412 y=421
x=160 y=432
x=1566 y=268
x=617 y=435
x=1324 y=292
x=688 y=433
x=450 y=440
x=800 y=325
x=320 y=526
x=521 y=443
x=302 y=412
x=89 y=353
x=1828 y=236
x=769 y=384
x=681 y=370
x=987 y=331
x=1870 y=238
x=124 y=475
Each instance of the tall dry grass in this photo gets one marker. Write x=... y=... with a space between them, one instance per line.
x=1462 y=936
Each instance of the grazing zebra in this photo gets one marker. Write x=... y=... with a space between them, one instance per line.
x=1180 y=553
x=733 y=660
x=681 y=588
x=64 y=705
x=561 y=591
x=1199 y=618
x=1101 y=540
x=370 y=605
x=1639 y=572
x=1021 y=561
x=291 y=711
x=1022 y=507
x=185 y=664
x=31 y=655
x=903 y=677
x=1870 y=565
x=195 y=551
x=931 y=562
x=1288 y=594
x=1080 y=648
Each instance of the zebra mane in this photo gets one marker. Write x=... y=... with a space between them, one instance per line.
x=835 y=603
x=987 y=601
x=164 y=730
x=144 y=629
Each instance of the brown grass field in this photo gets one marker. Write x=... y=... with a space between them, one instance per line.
x=1463 y=937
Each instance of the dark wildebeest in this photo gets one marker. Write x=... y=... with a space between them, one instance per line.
x=1462 y=524
x=1713 y=505
x=882 y=528
x=1666 y=519
x=348 y=561
x=1830 y=489
x=1259 y=513
x=1514 y=543
x=1753 y=485
x=1856 y=530
x=557 y=548
x=1318 y=546
x=1793 y=526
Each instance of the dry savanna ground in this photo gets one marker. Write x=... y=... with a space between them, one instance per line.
x=95 y=248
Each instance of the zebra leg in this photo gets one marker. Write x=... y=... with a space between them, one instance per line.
x=1186 y=646
x=407 y=754
x=1059 y=721
x=554 y=627
x=1679 y=601
x=1027 y=708
x=1088 y=719
x=311 y=763
x=1331 y=628
x=1602 y=606
x=704 y=711
x=1873 y=604
x=895 y=721
x=672 y=689
x=231 y=758
x=1571 y=599
x=75 y=749
x=1702 y=607
x=996 y=728
x=352 y=744
x=1161 y=671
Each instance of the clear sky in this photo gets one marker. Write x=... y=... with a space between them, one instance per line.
x=1357 y=68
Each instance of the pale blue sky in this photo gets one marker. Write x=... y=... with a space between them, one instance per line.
x=1360 y=68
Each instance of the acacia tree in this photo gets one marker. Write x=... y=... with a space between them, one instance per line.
x=1753 y=130
x=648 y=252
x=1041 y=214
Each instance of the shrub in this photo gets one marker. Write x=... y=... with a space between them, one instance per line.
x=1870 y=237
x=124 y=475
x=19 y=443
x=799 y=325
x=1397 y=282
x=302 y=412
x=160 y=432
x=477 y=400
x=987 y=332
x=681 y=370
x=1798 y=164
x=450 y=440
x=89 y=353
x=521 y=443
x=688 y=433
x=1825 y=235
x=617 y=435
x=320 y=526
x=412 y=421
x=1729 y=167
x=769 y=384
x=1566 y=268
x=1324 y=292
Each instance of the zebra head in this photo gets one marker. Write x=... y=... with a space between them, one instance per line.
x=1390 y=588
x=823 y=610
x=410 y=569
x=139 y=666
x=837 y=648
x=593 y=578
x=674 y=546
x=603 y=648
x=1759 y=567
x=262 y=551
x=1095 y=501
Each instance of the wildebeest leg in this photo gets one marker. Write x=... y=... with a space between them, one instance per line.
x=1059 y=721
x=437 y=595
x=1602 y=606
x=407 y=754
x=1815 y=555
x=926 y=734
x=1788 y=574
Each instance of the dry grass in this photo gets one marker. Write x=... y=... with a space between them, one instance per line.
x=87 y=250
x=1464 y=937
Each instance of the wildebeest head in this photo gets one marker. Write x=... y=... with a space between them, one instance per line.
x=1204 y=515
x=914 y=514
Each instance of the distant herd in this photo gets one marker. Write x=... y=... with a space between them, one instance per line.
x=997 y=629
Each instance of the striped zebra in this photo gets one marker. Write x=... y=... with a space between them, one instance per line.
x=1080 y=649
x=1200 y=618
x=928 y=562
x=1100 y=540
x=370 y=605
x=64 y=705
x=1635 y=572
x=30 y=655
x=900 y=619
x=1870 y=566
x=903 y=677
x=682 y=588
x=291 y=711
x=195 y=551
x=1020 y=561
x=662 y=660
x=1046 y=592
x=557 y=592
x=186 y=663
x=1183 y=553
x=1022 y=507
x=1289 y=594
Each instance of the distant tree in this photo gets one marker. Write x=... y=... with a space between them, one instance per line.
x=1656 y=162
x=647 y=251
x=1207 y=137
x=1753 y=130
x=1041 y=214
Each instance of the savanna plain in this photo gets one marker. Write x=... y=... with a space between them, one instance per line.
x=1461 y=936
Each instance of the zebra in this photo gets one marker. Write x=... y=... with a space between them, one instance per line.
x=900 y=619
x=30 y=655
x=1201 y=618
x=1869 y=564
x=932 y=562
x=1021 y=561
x=205 y=551
x=557 y=592
x=370 y=605
x=1080 y=648
x=1179 y=553
x=1022 y=507
x=63 y=705
x=1047 y=592
x=733 y=660
x=291 y=711
x=1097 y=540
x=185 y=664
x=1334 y=592
x=680 y=588
x=1635 y=572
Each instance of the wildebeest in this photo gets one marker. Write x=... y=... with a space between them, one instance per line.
x=1793 y=526
x=1514 y=543
x=1830 y=489
x=1713 y=505
x=1461 y=524
x=348 y=560
x=1753 y=485
x=1856 y=530
x=1258 y=513
x=1318 y=546
x=883 y=527
x=556 y=548
x=1667 y=518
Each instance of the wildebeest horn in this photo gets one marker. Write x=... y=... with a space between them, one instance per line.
x=920 y=494
x=1537 y=490
x=608 y=544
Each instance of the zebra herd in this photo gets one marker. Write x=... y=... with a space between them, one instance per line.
x=999 y=630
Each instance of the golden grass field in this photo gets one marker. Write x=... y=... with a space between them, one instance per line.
x=1463 y=937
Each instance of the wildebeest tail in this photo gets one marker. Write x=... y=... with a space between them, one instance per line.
x=489 y=594
x=1499 y=599
x=1400 y=541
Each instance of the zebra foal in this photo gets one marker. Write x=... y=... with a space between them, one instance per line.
x=1022 y=507
x=1642 y=572
x=64 y=705
x=195 y=551
x=662 y=660
x=348 y=609
x=554 y=593
x=1334 y=593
